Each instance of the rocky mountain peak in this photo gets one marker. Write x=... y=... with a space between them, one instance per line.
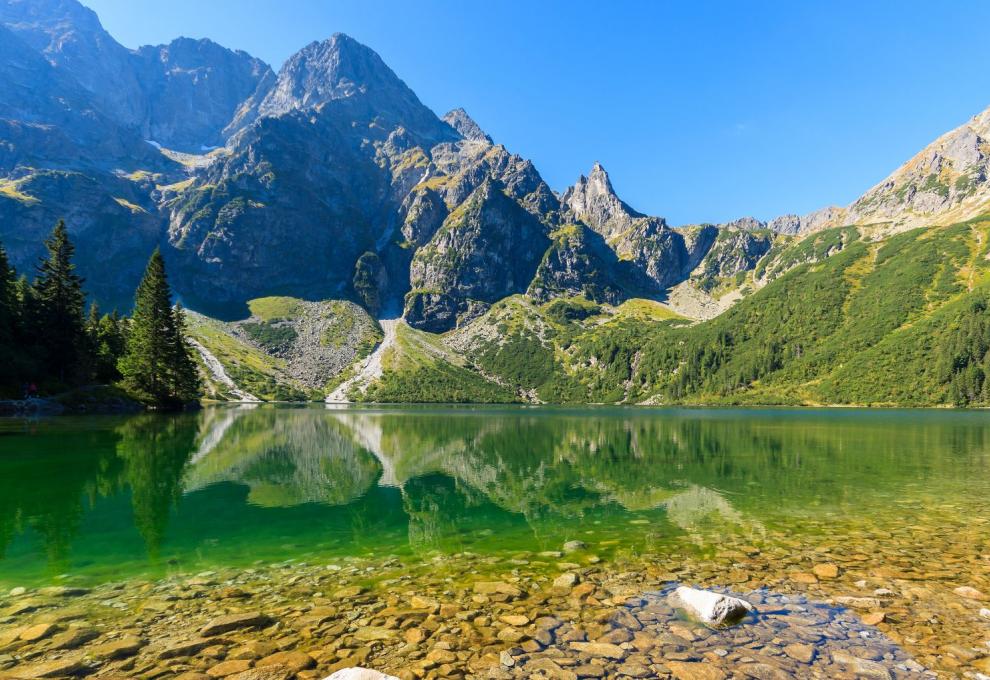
x=460 y=120
x=336 y=68
x=947 y=181
x=354 y=82
x=194 y=88
x=593 y=201
x=72 y=39
x=747 y=223
x=38 y=19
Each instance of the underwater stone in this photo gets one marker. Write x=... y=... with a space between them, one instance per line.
x=358 y=673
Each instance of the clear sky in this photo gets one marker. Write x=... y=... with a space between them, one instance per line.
x=700 y=111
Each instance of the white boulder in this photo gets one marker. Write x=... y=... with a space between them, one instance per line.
x=715 y=609
x=358 y=673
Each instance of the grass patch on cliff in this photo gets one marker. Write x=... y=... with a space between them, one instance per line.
x=249 y=367
x=276 y=308
x=419 y=368
x=12 y=189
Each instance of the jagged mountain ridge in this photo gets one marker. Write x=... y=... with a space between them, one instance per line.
x=331 y=158
x=332 y=161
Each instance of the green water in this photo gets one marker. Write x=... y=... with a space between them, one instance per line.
x=106 y=498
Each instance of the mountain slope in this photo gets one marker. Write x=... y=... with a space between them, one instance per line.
x=896 y=322
x=947 y=181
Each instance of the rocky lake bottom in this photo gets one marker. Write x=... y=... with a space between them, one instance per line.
x=498 y=545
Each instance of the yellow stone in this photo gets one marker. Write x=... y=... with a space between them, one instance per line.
x=873 y=618
x=826 y=571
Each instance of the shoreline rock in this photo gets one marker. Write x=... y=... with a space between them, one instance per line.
x=714 y=609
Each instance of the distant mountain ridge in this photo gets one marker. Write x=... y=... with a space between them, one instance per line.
x=331 y=179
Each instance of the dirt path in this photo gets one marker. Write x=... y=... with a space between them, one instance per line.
x=370 y=369
x=220 y=374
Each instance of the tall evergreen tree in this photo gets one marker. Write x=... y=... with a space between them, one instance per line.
x=157 y=362
x=10 y=317
x=106 y=344
x=60 y=300
x=9 y=303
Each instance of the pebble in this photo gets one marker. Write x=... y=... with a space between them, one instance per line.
x=826 y=571
x=225 y=668
x=38 y=632
x=970 y=593
x=874 y=618
x=118 y=649
x=226 y=624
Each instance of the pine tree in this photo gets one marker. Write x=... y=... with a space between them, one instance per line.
x=10 y=318
x=185 y=373
x=9 y=303
x=60 y=300
x=157 y=362
x=106 y=344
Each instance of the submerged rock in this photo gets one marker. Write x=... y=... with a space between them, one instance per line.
x=712 y=608
x=358 y=673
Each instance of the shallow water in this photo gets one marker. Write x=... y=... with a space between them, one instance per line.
x=754 y=497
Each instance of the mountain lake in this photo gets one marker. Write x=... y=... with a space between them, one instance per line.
x=495 y=542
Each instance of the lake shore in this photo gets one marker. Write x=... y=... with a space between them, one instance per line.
x=551 y=615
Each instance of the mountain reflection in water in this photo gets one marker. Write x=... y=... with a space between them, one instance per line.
x=231 y=485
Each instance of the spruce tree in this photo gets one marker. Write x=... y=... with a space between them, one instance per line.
x=9 y=311
x=10 y=316
x=59 y=300
x=106 y=344
x=157 y=362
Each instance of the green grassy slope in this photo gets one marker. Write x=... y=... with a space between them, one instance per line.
x=835 y=318
x=418 y=368
x=901 y=321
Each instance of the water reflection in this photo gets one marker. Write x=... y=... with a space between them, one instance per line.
x=228 y=484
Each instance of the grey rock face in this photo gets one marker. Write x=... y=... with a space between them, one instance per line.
x=462 y=167
x=579 y=262
x=71 y=38
x=424 y=211
x=250 y=221
x=193 y=88
x=733 y=251
x=658 y=253
x=592 y=200
x=431 y=311
x=948 y=179
x=748 y=223
x=49 y=119
x=791 y=225
x=488 y=248
x=343 y=70
x=465 y=125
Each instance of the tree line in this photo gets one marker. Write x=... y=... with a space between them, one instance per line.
x=50 y=342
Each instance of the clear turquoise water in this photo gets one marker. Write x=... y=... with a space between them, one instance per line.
x=107 y=498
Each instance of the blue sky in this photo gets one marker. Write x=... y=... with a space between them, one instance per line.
x=700 y=111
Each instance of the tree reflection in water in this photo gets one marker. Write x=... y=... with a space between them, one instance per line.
x=229 y=483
